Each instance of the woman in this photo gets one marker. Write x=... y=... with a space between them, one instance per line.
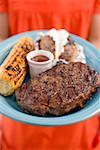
x=78 y=17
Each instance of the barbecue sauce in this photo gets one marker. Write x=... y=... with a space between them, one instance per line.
x=40 y=58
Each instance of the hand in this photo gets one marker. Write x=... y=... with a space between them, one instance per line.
x=1 y=39
x=3 y=26
x=94 y=35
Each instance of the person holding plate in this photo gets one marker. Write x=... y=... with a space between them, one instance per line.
x=78 y=17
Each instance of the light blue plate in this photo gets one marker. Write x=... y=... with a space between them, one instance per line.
x=9 y=108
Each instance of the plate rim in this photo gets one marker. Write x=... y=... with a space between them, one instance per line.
x=44 y=121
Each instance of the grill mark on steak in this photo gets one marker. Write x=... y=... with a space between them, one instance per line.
x=58 y=90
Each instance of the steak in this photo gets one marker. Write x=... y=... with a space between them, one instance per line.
x=58 y=90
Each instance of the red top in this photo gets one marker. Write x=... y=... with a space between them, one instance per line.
x=75 y=16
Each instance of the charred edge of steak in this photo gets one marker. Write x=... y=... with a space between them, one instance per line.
x=97 y=81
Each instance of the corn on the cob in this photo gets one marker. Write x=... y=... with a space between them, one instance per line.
x=14 y=68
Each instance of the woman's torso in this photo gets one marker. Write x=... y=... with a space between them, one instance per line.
x=75 y=16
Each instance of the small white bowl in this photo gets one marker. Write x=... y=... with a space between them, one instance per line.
x=39 y=67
